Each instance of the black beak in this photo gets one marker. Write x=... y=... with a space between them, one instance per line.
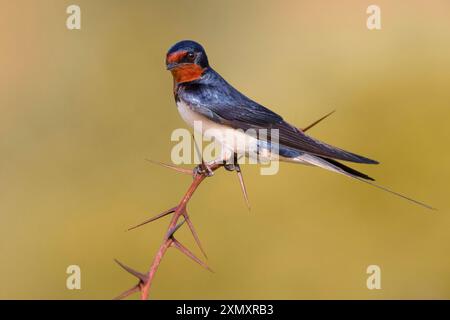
x=170 y=66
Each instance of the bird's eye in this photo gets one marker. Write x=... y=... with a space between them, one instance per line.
x=190 y=56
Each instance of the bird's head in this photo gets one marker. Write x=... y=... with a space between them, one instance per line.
x=187 y=61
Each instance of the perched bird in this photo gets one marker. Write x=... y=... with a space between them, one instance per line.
x=201 y=94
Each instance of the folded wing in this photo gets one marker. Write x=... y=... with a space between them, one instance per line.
x=222 y=103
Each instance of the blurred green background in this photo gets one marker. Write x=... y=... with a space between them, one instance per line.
x=81 y=110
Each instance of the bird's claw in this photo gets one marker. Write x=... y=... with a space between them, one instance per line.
x=202 y=169
x=234 y=166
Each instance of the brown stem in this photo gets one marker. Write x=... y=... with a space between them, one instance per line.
x=168 y=240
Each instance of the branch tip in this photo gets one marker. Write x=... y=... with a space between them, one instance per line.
x=243 y=188
x=172 y=167
x=142 y=277
x=317 y=121
x=128 y=293
x=163 y=214
x=194 y=233
x=189 y=254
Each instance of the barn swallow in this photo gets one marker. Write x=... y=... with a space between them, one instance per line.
x=201 y=94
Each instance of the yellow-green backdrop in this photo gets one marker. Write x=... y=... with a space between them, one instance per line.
x=80 y=111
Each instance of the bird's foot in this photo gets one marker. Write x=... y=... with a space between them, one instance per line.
x=202 y=169
x=234 y=166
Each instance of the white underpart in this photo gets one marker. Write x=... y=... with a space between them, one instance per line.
x=230 y=140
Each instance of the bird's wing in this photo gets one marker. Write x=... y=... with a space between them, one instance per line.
x=229 y=107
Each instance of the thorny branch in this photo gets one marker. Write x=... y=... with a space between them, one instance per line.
x=199 y=174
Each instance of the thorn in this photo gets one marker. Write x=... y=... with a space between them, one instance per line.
x=242 y=183
x=207 y=170
x=127 y=293
x=186 y=251
x=194 y=233
x=317 y=121
x=142 y=277
x=171 y=232
x=169 y=166
x=163 y=214
x=197 y=150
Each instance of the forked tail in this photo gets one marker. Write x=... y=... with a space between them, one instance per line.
x=338 y=167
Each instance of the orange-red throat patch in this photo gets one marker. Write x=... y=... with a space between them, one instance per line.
x=187 y=72
x=184 y=72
